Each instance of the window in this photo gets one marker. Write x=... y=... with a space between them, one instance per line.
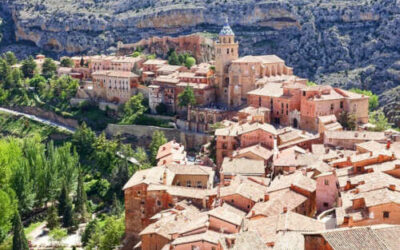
x=332 y=106
x=232 y=201
x=199 y=184
x=326 y=204
x=188 y=184
x=159 y=203
x=341 y=104
x=326 y=182
x=304 y=93
x=385 y=214
x=227 y=51
x=359 y=169
x=178 y=183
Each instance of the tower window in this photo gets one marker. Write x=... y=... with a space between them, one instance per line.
x=227 y=51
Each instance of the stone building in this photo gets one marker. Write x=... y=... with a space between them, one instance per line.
x=115 y=86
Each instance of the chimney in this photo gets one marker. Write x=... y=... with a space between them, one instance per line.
x=388 y=144
x=253 y=213
x=266 y=197
x=284 y=210
x=165 y=178
x=397 y=166
x=392 y=187
x=370 y=153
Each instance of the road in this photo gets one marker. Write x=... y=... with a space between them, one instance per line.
x=38 y=119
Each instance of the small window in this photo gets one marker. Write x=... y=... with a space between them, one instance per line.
x=159 y=203
x=359 y=169
x=304 y=93
x=188 y=184
x=326 y=204
x=227 y=51
x=385 y=214
x=341 y=104
x=332 y=106
x=232 y=201
x=199 y=184
x=326 y=182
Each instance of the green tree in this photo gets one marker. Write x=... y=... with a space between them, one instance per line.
x=189 y=62
x=14 y=79
x=136 y=54
x=57 y=235
x=92 y=228
x=38 y=81
x=157 y=140
x=133 y=109
x=22 y=184
x=380 y=121
x=81 y=199
x=10 y=58
x=347 y=120
x=19 y=240
x=67 y=62
x=83 y=139
x=173 y=59
x=151 y=57
x=112 y=234
x=141 y=156
x=187 y=98
x=310 y=83
x=29 y=67
x=373 y=99
x=49 y=68
x=116 y=208
x=5 y=69
x=161 y=109
x=52 y=218
x=7 y=210
x=63 y=200
x=68 y=215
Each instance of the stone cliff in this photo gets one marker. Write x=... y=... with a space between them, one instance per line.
x=350 y=43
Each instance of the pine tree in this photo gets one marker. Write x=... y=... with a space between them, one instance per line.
x=68 y=215
x=81 y=199
x=19 y=240
x=116 y=206
x=63 y=200
x=52 y=218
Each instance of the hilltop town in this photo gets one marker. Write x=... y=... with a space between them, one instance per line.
x=249 y=155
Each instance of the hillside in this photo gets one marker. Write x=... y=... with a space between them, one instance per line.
x=349 y=43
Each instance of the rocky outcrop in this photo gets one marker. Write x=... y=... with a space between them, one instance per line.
x=198 y=45
x=324 y=40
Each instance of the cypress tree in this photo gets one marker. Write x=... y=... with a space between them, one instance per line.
x=19 y=240
x=52 y=218
x=81 y=199
x=68 y=215
x=116 y=206
x=63 y=200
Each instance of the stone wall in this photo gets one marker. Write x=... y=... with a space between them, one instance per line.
x=48 y=115
x=143 y=135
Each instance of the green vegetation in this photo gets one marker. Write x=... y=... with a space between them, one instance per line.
x=19 y=239
x=380 y=121
x=57 y=235
x=49 y=68
x=187 y=98
x=67 y=62
x=310 y=83
x=181 y=59
x=347 y=120
x=157 y=140
x=23 y=127
x=133 y=109
x=373 y=99
x=104 y=235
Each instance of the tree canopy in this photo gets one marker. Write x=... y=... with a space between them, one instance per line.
x=187 y=97
x=133 y=109
x=157 y=140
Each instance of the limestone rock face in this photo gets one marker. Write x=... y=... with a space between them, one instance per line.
x=324 y=40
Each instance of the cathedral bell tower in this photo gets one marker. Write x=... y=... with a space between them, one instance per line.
x=226 y=50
